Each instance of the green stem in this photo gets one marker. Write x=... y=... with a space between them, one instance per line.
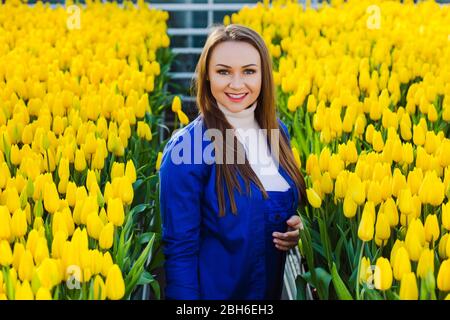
x=359 y=270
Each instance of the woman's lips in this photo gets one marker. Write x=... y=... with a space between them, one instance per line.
x=236 y=98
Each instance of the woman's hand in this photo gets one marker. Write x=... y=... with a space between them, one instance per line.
x=289 y=239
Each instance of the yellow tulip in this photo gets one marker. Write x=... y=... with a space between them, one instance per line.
x=5 y=223
x=94 y=225
x=443 y=278
x=313 y=198
x=6 y=256
x=377 y=141
x=23 y=291
x=80 y=160
x=176 y=104
x=296 y=157
x=383 y=274
x=43 y=294
x=446 y=216
x=99 y=288
x=26 y=266
x=402 y=264
x=413 y=240
x=382 y=227
x=130 y=171
x=51 y=198
x=431 y=228
x=426 y=263
x=115 y=286
x=442 y=248
x=158 y=161
x=106 y=236
x=350 y=206
x=365 y=271
x=408 y=287
x=126 y=190
x=183 y=117
x=366 y=226
x=19 y=223
x=390 y=209
x=16 y=156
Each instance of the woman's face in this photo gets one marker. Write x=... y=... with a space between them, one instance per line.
x=234 y=73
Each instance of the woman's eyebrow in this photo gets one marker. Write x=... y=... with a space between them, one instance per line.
x=247 y=65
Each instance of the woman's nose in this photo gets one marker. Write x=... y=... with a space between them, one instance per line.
x=236 y=83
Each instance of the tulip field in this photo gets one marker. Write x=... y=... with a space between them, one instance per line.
x=363 y=86
x=80 y=113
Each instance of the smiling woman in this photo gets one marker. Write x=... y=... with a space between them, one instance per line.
x=220 y=242
x=236 y=84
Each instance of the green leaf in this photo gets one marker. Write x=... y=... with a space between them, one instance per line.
x=341 y=290
x=323 y=282
x=301 y=285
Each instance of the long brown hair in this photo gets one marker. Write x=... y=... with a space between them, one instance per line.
x=265 y=115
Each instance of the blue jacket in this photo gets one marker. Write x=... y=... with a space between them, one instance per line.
x=207 y=256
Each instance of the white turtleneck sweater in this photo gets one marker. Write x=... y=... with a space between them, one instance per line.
x=256 y=147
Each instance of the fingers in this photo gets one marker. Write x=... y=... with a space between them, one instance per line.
x=283 y=243
x=295 y=222
x=282 y=248
x=287 y=236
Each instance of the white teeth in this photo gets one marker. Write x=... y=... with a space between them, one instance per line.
x=235 y=96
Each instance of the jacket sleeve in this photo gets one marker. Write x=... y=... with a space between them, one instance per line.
x=181 y=187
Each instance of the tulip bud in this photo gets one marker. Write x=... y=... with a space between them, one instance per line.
x=426 y=263
x=126 y=190
x=6 y=256
x=115 y=286
x=431 y=228
x=365 y=272
x=313 y=198
x=176 y=104
x=99 y=288
x=115 y=211
x=402 y=264
x=15 y=156
x=24 y=292
x=130 y=171
x=443 y=278
x=158 y=161
x=408 y=287
x=377 y=141
x=415 y=239
x=94 y=225
x=106 y=236
x=5 y=223
x=51 y=198
x=12 y=199
x=382 y=228
x=296 y=157
x=405 y=202
x=43 y=294
x=390 y=209
x=26 y=266
x=183 y=117
x=80 y=160
x=19 y=223
x=383 y=274
x=350 y=206
x=366 y=226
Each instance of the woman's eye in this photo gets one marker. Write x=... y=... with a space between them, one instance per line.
x=248 y=71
